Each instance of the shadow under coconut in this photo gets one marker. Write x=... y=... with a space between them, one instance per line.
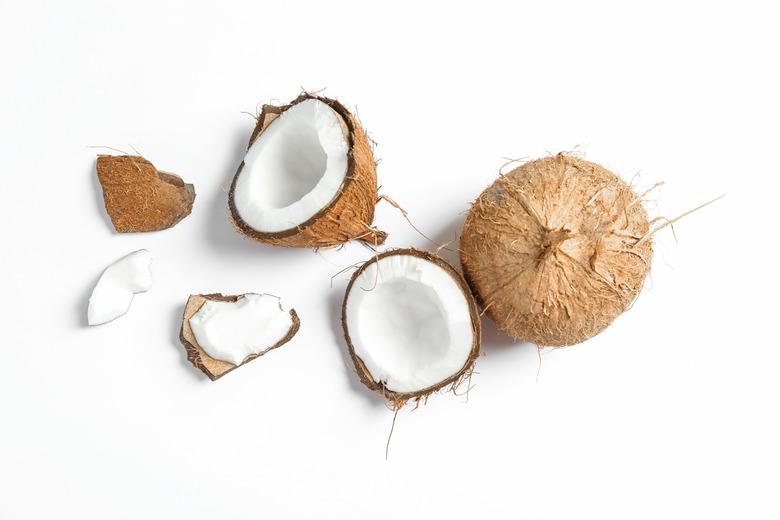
x=83 y=301
x=335 y=301
x=449 y=235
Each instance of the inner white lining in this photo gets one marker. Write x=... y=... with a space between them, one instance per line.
x=409 y=322
x=231 y=331
x=293 y=169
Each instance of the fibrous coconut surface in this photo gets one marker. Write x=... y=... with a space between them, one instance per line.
x=140 y=198
x=308 y=178
x=556 y=249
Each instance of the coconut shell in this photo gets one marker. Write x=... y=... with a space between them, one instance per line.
x=216 y=368
x=399 y=398
x=554 y=250
x=140 y=198
x=349 y=216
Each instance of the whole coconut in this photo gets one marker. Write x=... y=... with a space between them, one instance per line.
x=556 y=249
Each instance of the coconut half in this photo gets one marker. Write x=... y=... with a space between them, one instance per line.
x=410 y=323
x=308 y=178
x=221 y=333
x=556 y=249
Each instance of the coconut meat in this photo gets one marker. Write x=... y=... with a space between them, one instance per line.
x=409 y=322
x=294 y=168
x=231 y=331
x=114 y=291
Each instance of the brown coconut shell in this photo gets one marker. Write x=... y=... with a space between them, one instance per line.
x=140 y=198
x=399 y=398
x=349 y=216
x=216 y=368
x=556 y=249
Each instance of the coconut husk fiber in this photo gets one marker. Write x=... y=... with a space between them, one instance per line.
x=398 y=399
x=216 y=368
x=140 y=198
x=349 y=216
x=556 y=249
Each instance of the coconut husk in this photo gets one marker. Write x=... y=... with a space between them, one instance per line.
x=140 y=198
x=556 y=249
x=349 y=216
x=216 y=368
x=398 y=399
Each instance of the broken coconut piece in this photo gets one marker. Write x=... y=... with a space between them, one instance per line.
x=308 y=178
x=114 y=291
x=140 y=198
x=411 y=324
x=221 y=333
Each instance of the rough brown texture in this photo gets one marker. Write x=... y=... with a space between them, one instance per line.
x=216 y=368
x=140 y=198
x=556 y=249
x=350 y=214
x=397 y=399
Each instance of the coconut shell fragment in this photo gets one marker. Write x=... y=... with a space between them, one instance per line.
x=556 y=249
x=212 y=367
x=348 y=215
x=138 y=197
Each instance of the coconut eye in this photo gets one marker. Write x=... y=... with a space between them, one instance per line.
x=410 y=323
x=308 y=178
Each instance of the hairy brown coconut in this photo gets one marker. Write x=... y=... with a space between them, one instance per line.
x=411 y=325
x=308 y=178
x=556 y=249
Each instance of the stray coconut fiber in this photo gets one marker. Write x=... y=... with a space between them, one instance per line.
x=556 y=249
x=411 y=325
x=140 y=198
x=308 y=178
x=221 y=333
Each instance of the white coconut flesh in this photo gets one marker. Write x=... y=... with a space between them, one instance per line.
x=113 y=293
x=409 y=322
x=294 y=168
x=231 y=331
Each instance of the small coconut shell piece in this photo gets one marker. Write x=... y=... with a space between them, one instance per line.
x=140 y=198
x=349 y=214
x=216 y=368
x=409 y=304
x=556 y=249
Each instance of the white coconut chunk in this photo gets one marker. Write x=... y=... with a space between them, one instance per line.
x=231 y=331
x=114 y=291
x=294 y=169
x=409 y=322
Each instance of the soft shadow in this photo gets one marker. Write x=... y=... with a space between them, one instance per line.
x=449 y=237
x=220 y=233
x=178 y=312
x=335 y=300
x=493 y=340
x=83 y=301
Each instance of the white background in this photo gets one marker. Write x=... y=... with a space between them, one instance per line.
x=671 y=413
